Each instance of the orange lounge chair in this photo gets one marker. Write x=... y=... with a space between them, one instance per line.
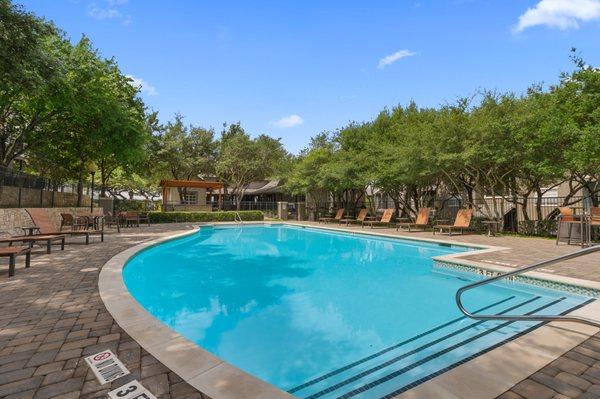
x=422 y=220
x=462 y=221
x=386 y=219
x=338 y=217
x=360 y=218
x=46 y=227
x=595 y=216
x=12 y=253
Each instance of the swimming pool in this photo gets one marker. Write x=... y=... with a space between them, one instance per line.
x=324 y=314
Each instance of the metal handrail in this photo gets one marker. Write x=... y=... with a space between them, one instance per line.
x=522 y=270
x=238 y=218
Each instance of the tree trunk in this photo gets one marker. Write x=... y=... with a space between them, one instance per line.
x=80 y=186
x=538 y=205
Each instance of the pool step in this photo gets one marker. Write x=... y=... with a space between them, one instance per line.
x=413 y=361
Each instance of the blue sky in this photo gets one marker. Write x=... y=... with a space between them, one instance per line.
x=292 y=69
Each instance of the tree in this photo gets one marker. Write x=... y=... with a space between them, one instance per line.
x=32 y=81
x=102 y=119
x=242 y=160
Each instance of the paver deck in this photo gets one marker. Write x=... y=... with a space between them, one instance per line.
x=51 y=317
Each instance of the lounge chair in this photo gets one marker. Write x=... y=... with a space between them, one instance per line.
x=595 y=216
x=42 y=220
x=422 y=220
x=360 y=218
x=462 y=222
x=338 y=217
x=32 y=239
x=12 y=253
x=386 y=219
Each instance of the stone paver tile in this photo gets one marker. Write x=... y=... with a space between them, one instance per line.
x=79 y=344
x=158 y=384
x=58 y=376
x=49 y=368
x=569 y=365
x=557 y=385
x=19 y=364
x=63 y=387
x=42 y=358
x=20 y=386
x=574 y=380
x=532 y=390
x=65 y=355
x=16 y=375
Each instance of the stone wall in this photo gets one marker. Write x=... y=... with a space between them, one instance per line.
x=12 y=219
x=9 y=196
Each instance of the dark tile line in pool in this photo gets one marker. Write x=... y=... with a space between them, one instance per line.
x=433 y=356
x=395 y=346
x=565 y=287
x=476 y=355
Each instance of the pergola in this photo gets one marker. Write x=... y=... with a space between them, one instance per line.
x=167 y=185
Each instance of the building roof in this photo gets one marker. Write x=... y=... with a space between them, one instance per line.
x=191 y=183
x=263 y=187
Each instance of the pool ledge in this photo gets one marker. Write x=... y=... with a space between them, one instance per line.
x=486 y=376
x=198 y=367
x=458 y=259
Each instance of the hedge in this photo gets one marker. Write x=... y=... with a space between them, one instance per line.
x=173 y=217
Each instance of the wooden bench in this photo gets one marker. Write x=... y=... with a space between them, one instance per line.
x=34 y=239
x=12 y=253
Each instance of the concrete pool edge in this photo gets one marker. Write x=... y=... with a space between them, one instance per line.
x=221 y=380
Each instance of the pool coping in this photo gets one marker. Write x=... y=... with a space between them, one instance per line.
x=220 y=380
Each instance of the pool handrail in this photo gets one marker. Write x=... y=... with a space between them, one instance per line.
x=238 y=218
x=525 y=269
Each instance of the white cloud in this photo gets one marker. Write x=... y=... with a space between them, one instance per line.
x=561 y=14
x=144 y=86
x=104 y=13
x=113 y=3
x=288 y=121
x=390 y=59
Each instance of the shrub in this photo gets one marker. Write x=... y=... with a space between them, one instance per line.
x=174 y=217
x=121 y=205
x=534 y=228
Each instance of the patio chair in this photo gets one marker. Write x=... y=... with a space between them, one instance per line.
x=68 y=220
x=360 y=218
x=32 y=239
x=386 y=219
x=422 y=220
x=144 y=218
x=462 y=222
x=111 y=220
x=338 y=217
x=130 y=218
x=41 y=219
x=12 y=253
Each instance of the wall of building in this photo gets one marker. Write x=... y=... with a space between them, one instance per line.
x=12 y=219
x=9 y=197
x=173 y=197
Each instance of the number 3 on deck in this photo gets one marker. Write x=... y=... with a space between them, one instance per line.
x=131 y=390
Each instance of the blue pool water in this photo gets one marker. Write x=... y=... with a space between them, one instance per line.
x=323 y=314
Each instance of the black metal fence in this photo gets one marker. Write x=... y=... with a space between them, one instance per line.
x=246 y=206
x=20 y=189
